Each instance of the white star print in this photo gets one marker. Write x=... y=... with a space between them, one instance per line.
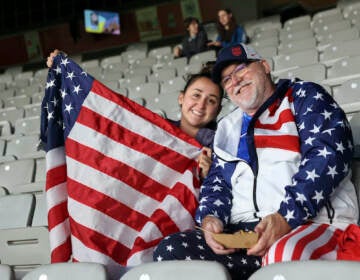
x=328 y=131
x=334 y=105
x=312 y=175
x=316 y=129
x=230 y=265
x=318 y=96
x=287 y=198
x=217 y=180
x=201 y=207
x=340 y=147
x=218 y=202
x=63 y=93
x=289 y=215
x=54 y=101
x=350 y=145
x=323 y=152
x=302 y=126
x=243 y=261
x=64 y=61
x=77 y=89
x=308 y=110
x=50 y=84
x=216 y=188
x=159 y=258
x=169 y=248
x=57 y=70
x=68 y=108
x=50 y=115
x=220 y=163
x=201 y=247
x=332 y=171
x=84 y=73
x=187 y=258
x=184 y=244
x=318 y=196
x=70 y=75
x=304 y=161
x=309 y=140
x=300 y=197
x=257 y=263
x=346 y=168
x=326 y=114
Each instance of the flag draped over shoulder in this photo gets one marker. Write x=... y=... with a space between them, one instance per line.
x=119 y=177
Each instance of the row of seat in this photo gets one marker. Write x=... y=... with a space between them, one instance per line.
x=191 y=270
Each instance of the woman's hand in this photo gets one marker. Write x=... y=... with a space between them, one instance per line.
x=204 y=161
x=50 y=58
x=211 y=224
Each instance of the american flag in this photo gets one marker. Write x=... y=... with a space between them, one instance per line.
x=119 y=177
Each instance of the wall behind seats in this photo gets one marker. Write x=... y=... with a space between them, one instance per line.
x=60 y=36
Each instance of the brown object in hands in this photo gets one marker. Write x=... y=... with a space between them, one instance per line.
x=241 y=239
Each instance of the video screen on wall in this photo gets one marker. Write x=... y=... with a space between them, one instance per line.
x=102 y=22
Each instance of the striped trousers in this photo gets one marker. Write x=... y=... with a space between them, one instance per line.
x=311 y=241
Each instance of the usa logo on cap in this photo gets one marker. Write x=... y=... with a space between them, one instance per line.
x=236 y=51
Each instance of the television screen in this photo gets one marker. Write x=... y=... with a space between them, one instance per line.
x=102 y=22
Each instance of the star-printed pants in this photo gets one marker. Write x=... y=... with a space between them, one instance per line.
x=310 y=241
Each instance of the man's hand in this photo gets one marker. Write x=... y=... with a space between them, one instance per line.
x=211 y=224
x=270 y=229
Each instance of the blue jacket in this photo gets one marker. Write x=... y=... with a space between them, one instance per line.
x=300 y=147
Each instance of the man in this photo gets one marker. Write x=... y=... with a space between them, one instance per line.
x=280 y=167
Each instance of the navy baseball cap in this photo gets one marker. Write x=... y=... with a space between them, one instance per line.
x=239 y=53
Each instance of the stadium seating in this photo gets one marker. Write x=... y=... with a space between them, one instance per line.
x=61 y=271
x=6 y=272
x=178 y=270
x=310 y=270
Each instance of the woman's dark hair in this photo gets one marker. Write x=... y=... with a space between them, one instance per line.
x=226 y=35
x=205 y=72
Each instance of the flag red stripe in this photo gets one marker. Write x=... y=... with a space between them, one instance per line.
x=285 y=142
x=57 y=214
x=146 y=114
x=116 y=169
x=185 y=196
x=99 y=242
x=62 y=253
x=128 y=138
x=280 y=246
x=299 y=247
x=55 y=176
x=328 y=247
x=284 y=117
x=101 y=202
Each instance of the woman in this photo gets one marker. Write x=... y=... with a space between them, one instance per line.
x=200 y=103
x=194 y=41
x=229 y=32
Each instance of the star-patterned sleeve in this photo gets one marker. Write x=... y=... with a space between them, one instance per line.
x=215 y=194
x=326 y=149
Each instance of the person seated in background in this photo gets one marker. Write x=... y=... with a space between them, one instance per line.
x=229 y=32
x=194 y=41
x=200 y=103
x=281 y=168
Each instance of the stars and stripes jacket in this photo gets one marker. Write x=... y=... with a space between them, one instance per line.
x=300 y=148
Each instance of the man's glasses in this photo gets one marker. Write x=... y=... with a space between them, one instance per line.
x=226 y=82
